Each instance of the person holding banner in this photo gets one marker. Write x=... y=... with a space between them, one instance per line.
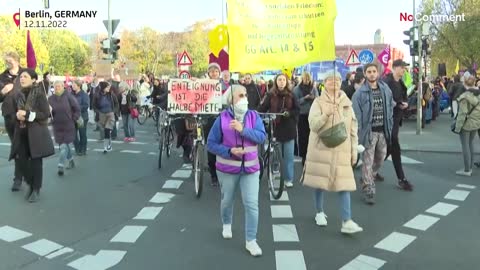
x=234 y=139
x=282 y=100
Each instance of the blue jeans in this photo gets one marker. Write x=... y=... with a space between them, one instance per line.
x=80 y=142
x=344 y=203
x=249 y=186
x=288 y=159
x=128 y=125
x=65 y=154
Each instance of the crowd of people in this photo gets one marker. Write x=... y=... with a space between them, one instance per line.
x=327 y=129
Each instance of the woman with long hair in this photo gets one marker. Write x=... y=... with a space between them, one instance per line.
x=282 y=100
x=468 y=123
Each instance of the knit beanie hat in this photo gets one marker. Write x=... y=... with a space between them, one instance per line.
x=214 y=65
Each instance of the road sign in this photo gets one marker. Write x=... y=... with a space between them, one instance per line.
x=352 y=59
x=114 y=25
x=366 y=57
x=184 y=75
x=184 y=60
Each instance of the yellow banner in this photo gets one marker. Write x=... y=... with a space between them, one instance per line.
x=273 y=35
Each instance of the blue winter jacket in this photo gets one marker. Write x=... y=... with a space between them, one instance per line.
x=363 y=107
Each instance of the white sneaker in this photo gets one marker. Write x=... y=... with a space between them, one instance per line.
x=227 y=231
x=464 y=173
x=289 y=184
x=321 y=219
x=350 y=227
x=253 y=248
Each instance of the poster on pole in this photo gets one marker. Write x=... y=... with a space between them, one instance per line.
x=272 y=34
x=194 y=97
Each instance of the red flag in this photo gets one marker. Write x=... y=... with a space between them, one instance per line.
x=31 y=59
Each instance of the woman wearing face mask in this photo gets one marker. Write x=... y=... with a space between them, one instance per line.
x=233 y=139
x=281 y=100
x=65 y=113
x=32 y=141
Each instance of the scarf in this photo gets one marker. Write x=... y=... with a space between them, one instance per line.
x=31 y=95
x=306 y=89
x=281 y=101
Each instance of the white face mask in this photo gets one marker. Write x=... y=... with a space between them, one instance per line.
x=241 y=107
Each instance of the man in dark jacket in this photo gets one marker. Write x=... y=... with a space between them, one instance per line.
x=10 y=91
x=253 y=93
x=399 y=92
x=454 y=91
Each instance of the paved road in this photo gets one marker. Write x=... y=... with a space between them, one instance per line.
x=119 y=211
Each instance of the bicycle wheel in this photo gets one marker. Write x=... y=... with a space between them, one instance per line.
x=260 y=161
x=143 y=113
x=197 y=167
x=169 y=142
x=275 y=172
x=161 y=140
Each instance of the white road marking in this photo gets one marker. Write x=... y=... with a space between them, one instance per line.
x=59 y=253
x=138 y=143
x=285 y=233
x=148 y=213
x=283 y=198
x=187 y=166
x=421 y=222
x=442 y=209
x=466 y=186
x=129 y=234
x=5 y=144
x=131 y=151
x=10 y=234
x=98 y=150
x=407 y=160
x=182 y=174
x=42 y=247
x=153 y=153
x=289 y=260
x=172 y=184
x=395 y=242
x=364 y=263
x=457 y=195
x=103 y=260
x=141 y=131
x=162 y=197
x=281 y=211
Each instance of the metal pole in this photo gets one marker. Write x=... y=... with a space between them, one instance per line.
x=223 y=11
x=420 y=81
x=414 y=24
x=109 y=29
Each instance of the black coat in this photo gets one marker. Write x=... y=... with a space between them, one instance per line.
x=9 y=101
x=39 y=138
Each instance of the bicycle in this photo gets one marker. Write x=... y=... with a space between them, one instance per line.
x=198 y=155
x=146 y=111
x=166 y=135
x=271 y=158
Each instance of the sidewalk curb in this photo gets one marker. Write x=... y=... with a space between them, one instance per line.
x=435 y=151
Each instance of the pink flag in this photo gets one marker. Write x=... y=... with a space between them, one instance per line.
x=384 y=56
x=31 y=59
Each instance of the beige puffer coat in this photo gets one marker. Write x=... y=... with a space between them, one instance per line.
x=326 y=168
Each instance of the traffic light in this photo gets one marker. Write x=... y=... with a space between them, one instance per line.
x=426 y=47
x=411 y=42
x=115 y=47
x=105 y=46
